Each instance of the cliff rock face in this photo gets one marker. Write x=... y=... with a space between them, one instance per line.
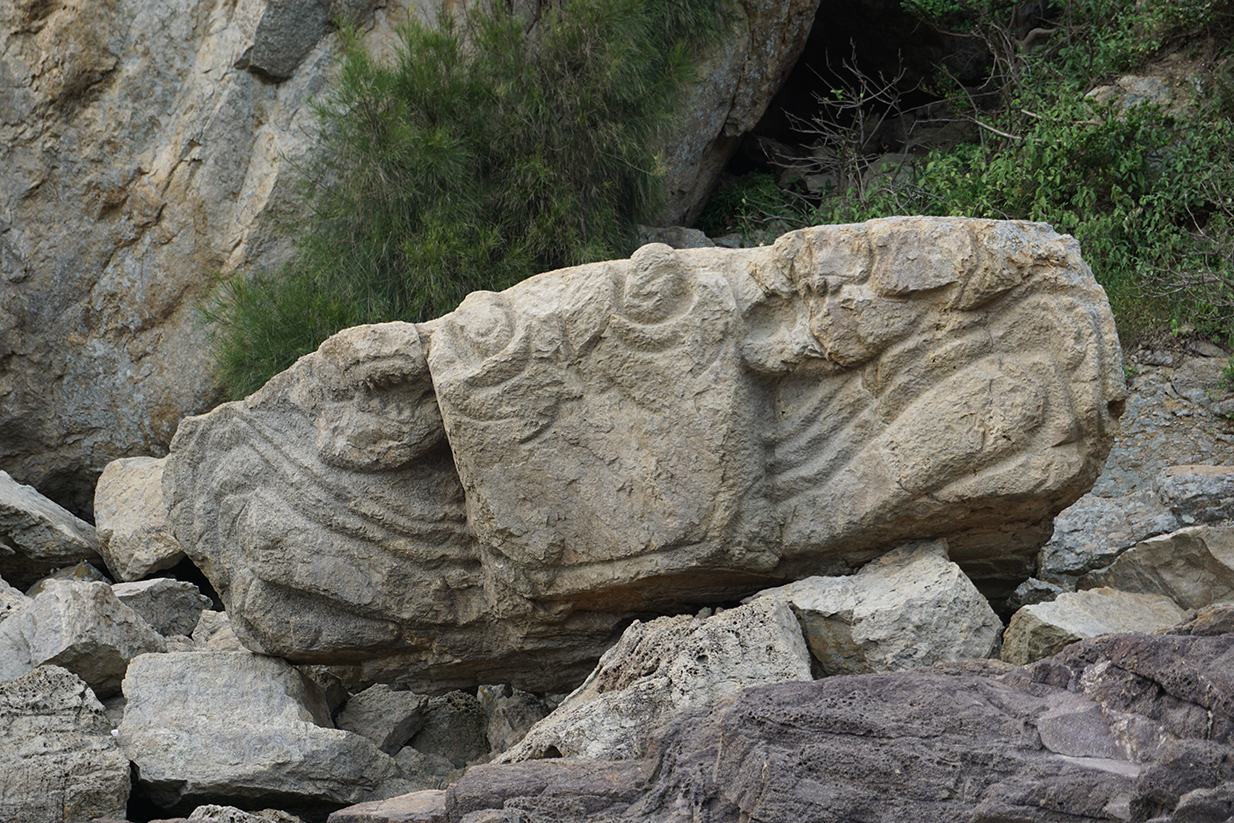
x=498 y=491
x=149 y=144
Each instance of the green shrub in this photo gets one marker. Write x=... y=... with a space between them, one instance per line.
x=1149 y=195
x=482 y=155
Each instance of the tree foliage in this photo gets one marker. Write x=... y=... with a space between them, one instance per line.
x=485 y=152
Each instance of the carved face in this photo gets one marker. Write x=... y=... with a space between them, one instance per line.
x=657 y=287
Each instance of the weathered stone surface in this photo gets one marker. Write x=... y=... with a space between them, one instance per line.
x=455 y=728
x=1208 y=621
x=1046 y=628
x=908 y=609
x=58 y=761
x=134 y=536
x=37 y=536
x=1095 y=530
x=1162 y=428
x=387 y=717
x=1124 y=727
x=419 y=807
x=256 y=736
x=214 y=813
x=1194 y=567
x=11 y=599
x=741 y=72
x=171 y=607
x=148 y=141
x=700 y=424
x=661 y=668
x=214 y=633
x=80 y=626
x=512 y=716
x=82 y=572
x=1032 y=591
x=1198 y=494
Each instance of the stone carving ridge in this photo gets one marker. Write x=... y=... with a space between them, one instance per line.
x=633 y=437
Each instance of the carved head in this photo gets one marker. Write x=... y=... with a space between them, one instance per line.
x=657 y=287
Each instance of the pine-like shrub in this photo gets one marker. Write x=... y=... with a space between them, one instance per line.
x=482 y=154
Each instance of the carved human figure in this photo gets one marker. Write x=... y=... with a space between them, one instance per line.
x=614 y=430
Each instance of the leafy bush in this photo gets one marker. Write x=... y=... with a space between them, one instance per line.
x=484 y=154
x=1148 y=194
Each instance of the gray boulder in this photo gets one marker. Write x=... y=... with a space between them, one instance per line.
x=662 y=668
x=1194 y=567
x=1130 y=727
x=171 y=607
x=58 y=760
x=1044 y=629
x=454 y=729
x=387 y=717
x=80 y=626
x=908 y=609
x=134 y=536
x=213 y=633
x=1198 y=494
x=211 y=727
x=38 y=536
x=1095 y=530
x=511 y=716
x=701 y=423
x=213 y=813
x=11 y=600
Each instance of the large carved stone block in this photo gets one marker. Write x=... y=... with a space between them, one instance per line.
x=492 y=495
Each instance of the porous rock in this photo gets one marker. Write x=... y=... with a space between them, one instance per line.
x=1194 y=567
x=661 y=668
x=38 y=536
x=214 y=813
x=1043 y=629
x=700 y=424
x=454 y=729
x=908 y=609
x=171 y=607
x=58 y=760
x=135 y=539
x=80 y=626
x=283 y=754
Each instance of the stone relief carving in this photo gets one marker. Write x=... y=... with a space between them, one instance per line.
x=632 y=437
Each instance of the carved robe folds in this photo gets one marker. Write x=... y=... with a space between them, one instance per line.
x=490 y=496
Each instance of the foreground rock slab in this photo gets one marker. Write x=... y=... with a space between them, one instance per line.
x=909 y=609
x=1130 y=727
x=700 y=424
x=38 y=536
x=58 y=760
x=221 y=727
